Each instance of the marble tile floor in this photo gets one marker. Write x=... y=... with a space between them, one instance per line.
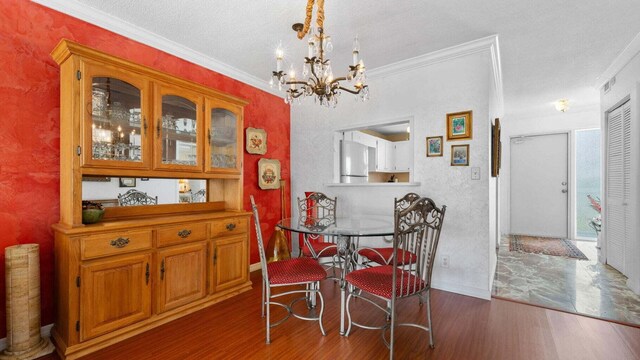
x=579 y=286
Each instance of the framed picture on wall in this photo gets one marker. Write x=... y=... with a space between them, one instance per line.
x=460 y=125
x=434 y=146
x=269 y=174
x=127 y=182
x=256 y=141
x=460 y=155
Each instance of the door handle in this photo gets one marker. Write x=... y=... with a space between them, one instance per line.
x=564 y=191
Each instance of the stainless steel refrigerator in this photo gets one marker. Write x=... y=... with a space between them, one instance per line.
x=354 y=162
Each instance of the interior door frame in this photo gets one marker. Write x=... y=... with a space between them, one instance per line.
x=570 y=175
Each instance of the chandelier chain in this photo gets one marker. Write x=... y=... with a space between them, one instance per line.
x=307 y=20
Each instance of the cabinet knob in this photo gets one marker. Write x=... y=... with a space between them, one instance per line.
x=120 y=242
x=231 y=226
x=184 y=233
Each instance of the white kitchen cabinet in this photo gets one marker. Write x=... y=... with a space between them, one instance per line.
x=381 y=155
x=389 y=154
x=403 y=156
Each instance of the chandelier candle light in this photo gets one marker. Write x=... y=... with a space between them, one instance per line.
x=316 y=69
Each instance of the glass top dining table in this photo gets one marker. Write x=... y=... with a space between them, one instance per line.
x=350 y=226
x=345 y=229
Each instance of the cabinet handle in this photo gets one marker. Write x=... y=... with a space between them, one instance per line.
x=184 y=233
x=209 y=135
x=231 y=226
x=144 y=125
x=215 y=256
x=120 y=242
x=162 y=270
x=146 y=274
x=158 y=128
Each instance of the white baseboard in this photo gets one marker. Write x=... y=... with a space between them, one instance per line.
x=45 y=331
x=255 y=267
x=463 y=290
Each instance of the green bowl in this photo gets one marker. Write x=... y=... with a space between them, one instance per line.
x=92 y=216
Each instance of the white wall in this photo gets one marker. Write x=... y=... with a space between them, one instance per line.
x=427 y=94
x=586 y=118
x=628 y=86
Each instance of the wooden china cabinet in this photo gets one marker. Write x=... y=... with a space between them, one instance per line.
x=143 y=266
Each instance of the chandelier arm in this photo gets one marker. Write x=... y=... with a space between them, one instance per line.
x=296 y=94
x=351 y=91
x=313 y=72
x=295 y=82
x=337 y=80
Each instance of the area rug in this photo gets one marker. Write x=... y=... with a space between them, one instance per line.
x=546 y=246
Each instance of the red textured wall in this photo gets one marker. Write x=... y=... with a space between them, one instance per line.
x=29 y=127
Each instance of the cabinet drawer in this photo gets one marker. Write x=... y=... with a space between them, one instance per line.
x=95 y=246
x=229 y=226
x=179 y=234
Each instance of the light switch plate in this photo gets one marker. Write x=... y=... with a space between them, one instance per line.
x=475 y=173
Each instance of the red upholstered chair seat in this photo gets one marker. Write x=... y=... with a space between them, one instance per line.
x=378 y=280
x=404 y=257
x=295 y=270
x=320 y=246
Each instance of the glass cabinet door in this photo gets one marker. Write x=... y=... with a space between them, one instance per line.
x=224 y=137
x=178 y=130
x=115 y=120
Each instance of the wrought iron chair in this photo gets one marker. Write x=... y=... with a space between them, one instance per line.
x=199 y=196
x=318 y=210
x=135 y=197
x=384 y=256
x=291 y=272
x=417 y=230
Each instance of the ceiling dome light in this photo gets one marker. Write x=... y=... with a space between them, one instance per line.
x=562 y=105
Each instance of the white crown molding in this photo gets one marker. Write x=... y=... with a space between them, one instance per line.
x=489 y=43
x=109 y=22
x=620 y=62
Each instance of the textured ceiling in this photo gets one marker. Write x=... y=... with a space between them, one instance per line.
x=549 y=49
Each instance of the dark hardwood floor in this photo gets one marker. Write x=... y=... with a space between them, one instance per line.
x=464 y=328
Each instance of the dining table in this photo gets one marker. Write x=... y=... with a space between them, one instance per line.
x=348 y=232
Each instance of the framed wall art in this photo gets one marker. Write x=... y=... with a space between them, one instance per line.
x=434 y=146
x=127 y=182
x=460 y=125
x=460 y=155
x=256 y=141
x=496 y=149
x=269 y=174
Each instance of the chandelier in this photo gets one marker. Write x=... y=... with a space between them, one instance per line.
x=317 y=78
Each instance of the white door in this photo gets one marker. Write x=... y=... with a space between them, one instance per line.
x=618 y=185
x=539 y=185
